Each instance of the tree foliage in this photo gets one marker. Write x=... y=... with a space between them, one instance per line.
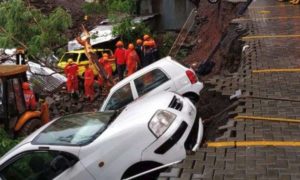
x=6 y=142
x=23 y=25
x=121 y=13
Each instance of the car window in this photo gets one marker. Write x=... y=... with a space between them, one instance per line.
x=149 y=81
x=19 y=95
x=35 y=165
x=67 y=56
x=83 y=57
x=75 y=130
x=120 y=98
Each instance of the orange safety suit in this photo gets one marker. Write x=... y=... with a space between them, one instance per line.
x=132 y=60
x=89 y=83
x=72 y=79
x=29 y=99
x=107 y=66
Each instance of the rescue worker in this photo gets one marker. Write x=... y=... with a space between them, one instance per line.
x=139 y=51
x=104 y=61
x=154 y=51
x=120 y=55
x=148 y=38
x=89 y=82
x=148 y=57
x=71 y=74
x=132 y=60
x=29 y=96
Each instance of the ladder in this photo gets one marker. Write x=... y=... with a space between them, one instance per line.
x=183 y=33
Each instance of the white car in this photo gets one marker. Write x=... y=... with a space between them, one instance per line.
x=163 y=75
x=152 y=132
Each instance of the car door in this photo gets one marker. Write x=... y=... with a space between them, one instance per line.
x=153 y=82
x=44 y=165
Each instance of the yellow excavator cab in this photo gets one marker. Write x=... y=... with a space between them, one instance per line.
x=16 y=118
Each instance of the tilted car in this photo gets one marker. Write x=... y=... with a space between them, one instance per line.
x=149 y=133
x=163 y=75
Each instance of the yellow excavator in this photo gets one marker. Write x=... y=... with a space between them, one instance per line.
x=17 y=120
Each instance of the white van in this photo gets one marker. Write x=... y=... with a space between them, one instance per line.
x=163 y=75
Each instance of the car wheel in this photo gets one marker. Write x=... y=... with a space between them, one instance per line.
x=30 y=127
x=193 y=97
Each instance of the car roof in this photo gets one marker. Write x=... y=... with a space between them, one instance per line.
x=82 y=50
x=160 y=63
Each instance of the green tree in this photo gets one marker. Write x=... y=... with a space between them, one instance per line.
x=26 y=26
x=121 y=13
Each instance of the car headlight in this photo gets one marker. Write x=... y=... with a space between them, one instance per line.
x=161 y=121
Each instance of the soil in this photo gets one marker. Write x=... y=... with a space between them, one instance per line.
x=212 y=24
x=74 y=8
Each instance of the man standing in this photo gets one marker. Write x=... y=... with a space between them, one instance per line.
x=132 y=59
x=71 y=74
x=89 y=82
x=139 y=51
x=29 y=96
x=120 y=55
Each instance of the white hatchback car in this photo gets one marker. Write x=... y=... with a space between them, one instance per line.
x=163 y=75
x=149 y=133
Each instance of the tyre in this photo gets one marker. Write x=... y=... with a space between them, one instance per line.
x=193 y=97
x=213 y=1
x=30 y=126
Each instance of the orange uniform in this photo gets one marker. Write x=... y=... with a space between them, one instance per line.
x=107 y=66
x=29 y=96
x=89 y=83
x=72 y=79
x=132 y=61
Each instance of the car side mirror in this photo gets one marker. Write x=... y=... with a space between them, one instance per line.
x=60 y=163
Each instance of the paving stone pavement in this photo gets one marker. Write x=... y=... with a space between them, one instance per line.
x=263 y=94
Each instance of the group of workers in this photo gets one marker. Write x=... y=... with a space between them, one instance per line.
x=135 y=57
x=131 y=59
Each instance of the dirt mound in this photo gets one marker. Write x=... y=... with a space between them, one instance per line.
x=74 y=8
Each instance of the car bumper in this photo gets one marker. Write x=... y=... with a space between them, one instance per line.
x=186 y=129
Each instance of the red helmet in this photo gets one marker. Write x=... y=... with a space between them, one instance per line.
x=130 y=46
x=146 y=37
x=25 y=85
x=147 y=43
x=139 y=42
x=119 y=44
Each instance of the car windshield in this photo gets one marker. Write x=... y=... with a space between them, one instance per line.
x=76 y=129
x=67 y=56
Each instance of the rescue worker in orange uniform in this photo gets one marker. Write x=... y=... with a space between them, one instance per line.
x=148 y=56
x=71 y=74
x=148 y=38
x=29 y=96
x=139 y=51
x=154 y=51
x=120 y=55
x=89 y=82
x=132 y=60
x=104 y=61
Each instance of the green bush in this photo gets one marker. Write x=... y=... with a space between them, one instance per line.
x=6 y=142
